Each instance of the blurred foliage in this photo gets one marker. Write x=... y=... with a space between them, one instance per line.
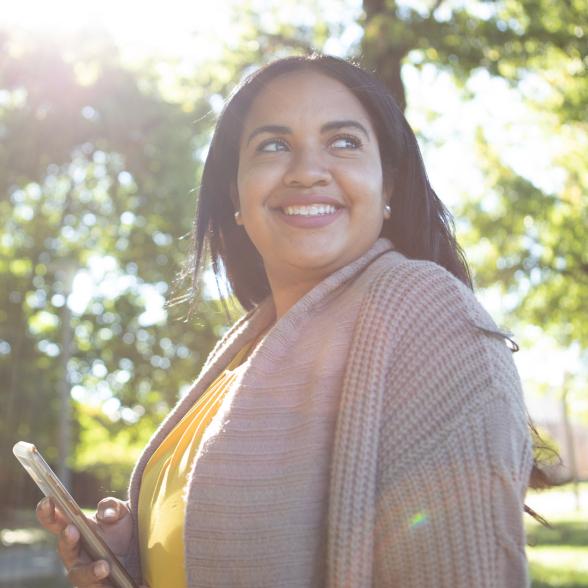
x=507 y=38
x=96 y=180
x=533 y=242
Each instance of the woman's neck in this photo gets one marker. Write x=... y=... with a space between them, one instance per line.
x=287 y=292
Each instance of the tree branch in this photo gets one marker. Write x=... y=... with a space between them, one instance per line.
x=435 y=8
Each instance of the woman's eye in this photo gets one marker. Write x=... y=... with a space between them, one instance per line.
x=346 y=143
x=271 y=146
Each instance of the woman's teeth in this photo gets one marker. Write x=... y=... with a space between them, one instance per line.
x=310 y=210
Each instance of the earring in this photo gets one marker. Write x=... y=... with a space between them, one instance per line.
x=387 y=211
x=238 y=219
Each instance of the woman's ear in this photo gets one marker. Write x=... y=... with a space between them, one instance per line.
x=234 y=195
x=388 y=181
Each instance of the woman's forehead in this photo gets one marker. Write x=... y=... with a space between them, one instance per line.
x=304 y=96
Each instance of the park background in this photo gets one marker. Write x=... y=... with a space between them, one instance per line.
x=106 y=111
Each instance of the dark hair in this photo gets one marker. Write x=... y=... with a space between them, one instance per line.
x=420 y=227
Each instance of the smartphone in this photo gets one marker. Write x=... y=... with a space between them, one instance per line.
x=51 y=486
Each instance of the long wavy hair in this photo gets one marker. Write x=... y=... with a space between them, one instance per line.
x=420 y=226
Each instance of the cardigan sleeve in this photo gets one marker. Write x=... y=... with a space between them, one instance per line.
x=455 y=452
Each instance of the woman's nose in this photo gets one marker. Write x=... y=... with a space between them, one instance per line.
x=307 y=168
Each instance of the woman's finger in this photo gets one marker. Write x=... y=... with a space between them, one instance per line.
x=110 y=510
x=68 y=546
x=50 y=517
x=83 y=575
x=116 y=524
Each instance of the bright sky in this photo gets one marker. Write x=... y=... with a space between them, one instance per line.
x=168 y=28
x=196 y=30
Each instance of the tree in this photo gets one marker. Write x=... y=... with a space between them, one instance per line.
x=97 y=173
x=533 y=241
x=508 y=38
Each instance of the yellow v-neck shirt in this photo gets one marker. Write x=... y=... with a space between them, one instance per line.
x=161 y=499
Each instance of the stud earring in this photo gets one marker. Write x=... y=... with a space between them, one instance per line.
x=238 y=219
x=387 y=211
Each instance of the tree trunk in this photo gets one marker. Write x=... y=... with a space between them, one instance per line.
x=65 y=436
x=380 y=52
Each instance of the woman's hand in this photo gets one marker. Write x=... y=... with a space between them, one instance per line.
x=114 y=522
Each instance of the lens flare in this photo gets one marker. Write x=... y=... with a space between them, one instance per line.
x=418 y=520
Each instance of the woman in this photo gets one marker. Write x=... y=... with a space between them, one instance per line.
x=363 y=424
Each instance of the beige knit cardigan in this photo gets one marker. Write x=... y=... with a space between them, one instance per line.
x=377 y=436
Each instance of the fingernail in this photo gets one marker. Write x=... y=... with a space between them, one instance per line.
x=45 y=504
x=109 y=513
x=100 y=569
x=71 y=533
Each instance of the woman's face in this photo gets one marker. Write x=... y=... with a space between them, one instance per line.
x=309 y=185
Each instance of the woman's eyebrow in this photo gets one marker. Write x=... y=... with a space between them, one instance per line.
x=277 y=129
x=334 y=125
x=341 y=124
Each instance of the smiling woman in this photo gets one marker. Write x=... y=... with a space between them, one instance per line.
x=363 y=424
x=309 y=192
x=420 y=226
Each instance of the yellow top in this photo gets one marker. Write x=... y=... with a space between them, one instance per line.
x=161 y=499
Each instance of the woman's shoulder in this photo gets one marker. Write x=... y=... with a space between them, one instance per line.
x=418 y=312
x=444 y=350
x=424 y=292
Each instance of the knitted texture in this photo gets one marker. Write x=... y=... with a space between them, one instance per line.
x=454 y=452
x=376 y=437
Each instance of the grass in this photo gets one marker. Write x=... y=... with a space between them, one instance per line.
x=558 y=557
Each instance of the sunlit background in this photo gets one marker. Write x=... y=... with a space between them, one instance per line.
x=106 y=111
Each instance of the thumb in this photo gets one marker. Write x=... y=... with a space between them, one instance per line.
x=110 y=510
